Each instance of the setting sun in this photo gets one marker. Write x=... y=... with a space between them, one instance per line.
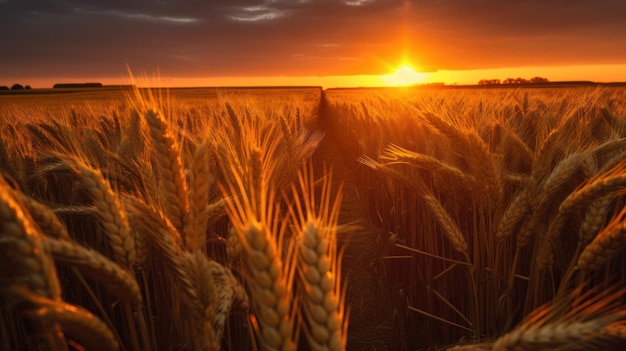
x=403 y=76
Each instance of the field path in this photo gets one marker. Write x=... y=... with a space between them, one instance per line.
x=368 y=317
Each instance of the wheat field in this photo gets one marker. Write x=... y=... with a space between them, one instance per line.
x=309 y=219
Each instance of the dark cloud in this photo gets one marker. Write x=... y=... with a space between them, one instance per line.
x=306 y=37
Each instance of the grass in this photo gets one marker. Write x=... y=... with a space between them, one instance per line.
x=299 y=219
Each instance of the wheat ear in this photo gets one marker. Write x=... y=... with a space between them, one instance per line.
x=198 y=269
x=166 y=154
x=554 y=336
x=88 y=329
x=517 y=210
x=26 y=259
x=252 y=211
x=45 y=217
x=26 y=263
x=573 y=322
x=218 y=289
x=610 y=152
x=270 y=287
x=605 y=245
x=548 y=190
x=111 y=212
x=597 y=189
x=518 y=148
x=228 y=291
x=595 y=216
x=117 y=280
x=187 y=271
x=318 y=265
x=480 y=161
x=200 y=183
x=608 y=181
x=451 y=230
x=160 y=232
x=544 y=256
x=395 y=154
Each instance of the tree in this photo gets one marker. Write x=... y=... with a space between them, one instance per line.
x=27 y=87
x=488 y=81
x=524 y=81
x=17 y=87
x=4 y=87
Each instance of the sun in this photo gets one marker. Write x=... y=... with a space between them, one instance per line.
x=404 y=76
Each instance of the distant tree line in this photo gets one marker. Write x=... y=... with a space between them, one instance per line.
x=513 y=81
x=77 y=85
x=15 y=87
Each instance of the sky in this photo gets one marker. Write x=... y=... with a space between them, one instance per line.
x=309 y=42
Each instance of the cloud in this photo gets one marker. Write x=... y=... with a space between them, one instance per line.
x=257 y=13
x=305 y=37
x=357 y=2
x=138 y=16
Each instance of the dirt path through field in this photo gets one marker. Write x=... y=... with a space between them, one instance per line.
x=368 y=323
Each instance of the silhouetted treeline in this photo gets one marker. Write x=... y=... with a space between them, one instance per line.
x=15 y=86
x=533 y=80
x=77 y=85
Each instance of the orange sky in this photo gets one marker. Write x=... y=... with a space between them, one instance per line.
x=310 y=42
x=600 y=73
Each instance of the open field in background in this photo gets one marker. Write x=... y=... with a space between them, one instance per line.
x=392 y=219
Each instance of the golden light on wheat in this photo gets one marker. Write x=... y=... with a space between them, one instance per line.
x=307 y=219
